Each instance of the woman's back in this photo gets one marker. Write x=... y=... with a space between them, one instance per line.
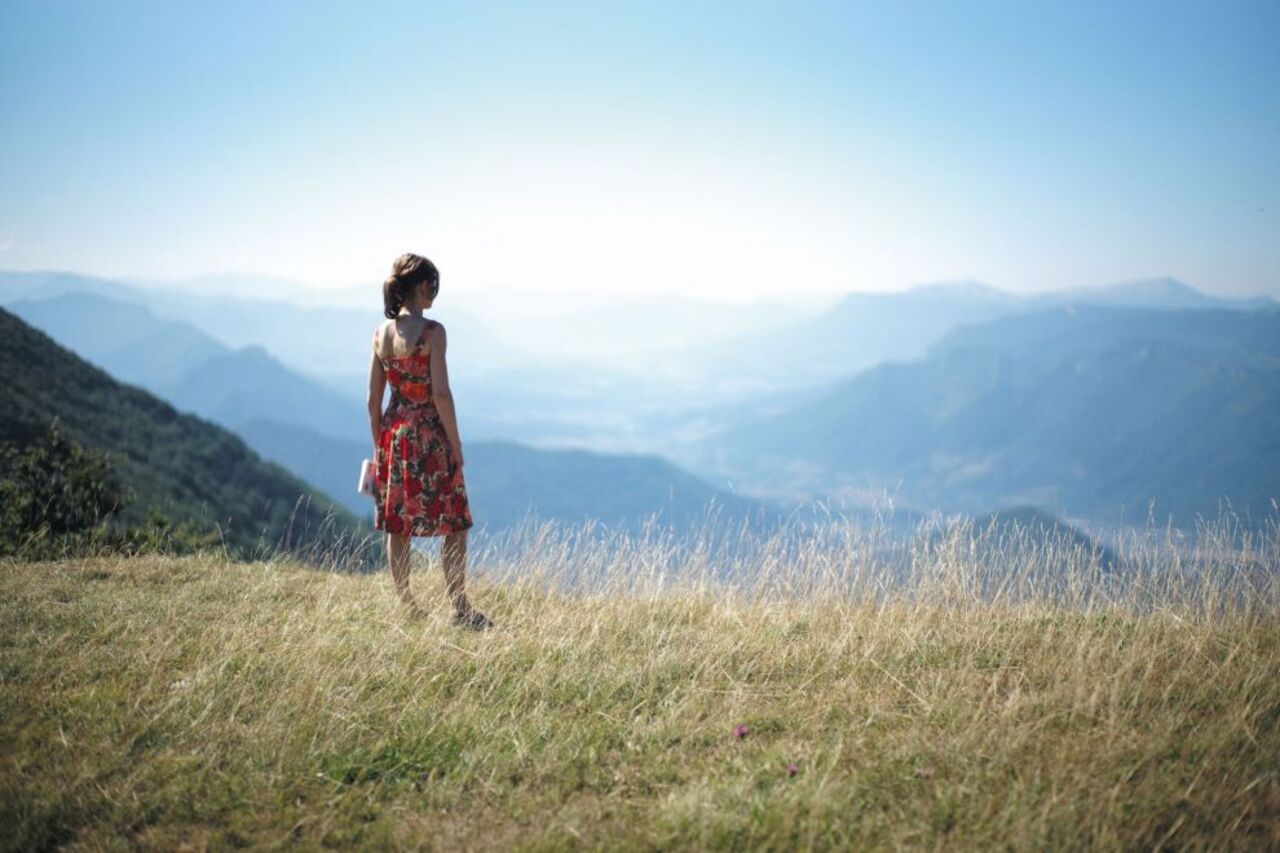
x=405 y=335
x=406 y=359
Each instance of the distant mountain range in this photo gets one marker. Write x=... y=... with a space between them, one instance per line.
x=643 y=350
x=180 y=363
x=322 y=350
x=1086 y=411
x=1162 y=293
x=866 y=329
x=952 y=395
x=320 y=435
x=181 y=465
x=309 y=337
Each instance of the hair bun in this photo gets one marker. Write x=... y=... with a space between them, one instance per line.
x=407 y=273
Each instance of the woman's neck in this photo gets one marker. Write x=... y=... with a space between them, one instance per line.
x=411 y=311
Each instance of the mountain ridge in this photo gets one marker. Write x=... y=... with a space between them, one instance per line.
x=1085 y=412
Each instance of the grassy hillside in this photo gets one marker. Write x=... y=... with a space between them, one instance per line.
x=161 y=702
x=181 y=465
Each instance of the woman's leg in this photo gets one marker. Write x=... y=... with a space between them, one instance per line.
x=453 y=555
x=398 y=550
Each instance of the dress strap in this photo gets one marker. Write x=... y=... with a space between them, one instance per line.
x=422 y=336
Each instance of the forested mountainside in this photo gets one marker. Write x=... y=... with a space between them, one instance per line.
x=188 y=468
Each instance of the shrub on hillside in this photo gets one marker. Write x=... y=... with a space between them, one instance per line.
x=55 y=488
x=59 y=498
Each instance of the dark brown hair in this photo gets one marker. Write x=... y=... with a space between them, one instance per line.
x=407 y=272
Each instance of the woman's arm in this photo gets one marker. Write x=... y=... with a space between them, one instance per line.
x=377 y=384
x=441 y=394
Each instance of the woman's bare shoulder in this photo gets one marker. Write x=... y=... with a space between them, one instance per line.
x=436 y=333
x=381 y=340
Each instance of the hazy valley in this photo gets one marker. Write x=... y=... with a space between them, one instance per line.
x=1089 y=404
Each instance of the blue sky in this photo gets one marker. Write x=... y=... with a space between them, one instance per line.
x=722 y=150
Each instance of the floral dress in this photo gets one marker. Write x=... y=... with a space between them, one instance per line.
x=419 y=489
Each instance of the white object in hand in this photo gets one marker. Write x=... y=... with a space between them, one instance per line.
x=365 y=485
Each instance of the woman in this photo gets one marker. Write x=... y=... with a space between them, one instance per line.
x=418 y=483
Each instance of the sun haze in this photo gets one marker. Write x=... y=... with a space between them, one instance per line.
x=721 y=150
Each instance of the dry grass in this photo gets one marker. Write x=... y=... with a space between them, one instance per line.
x=1007 y=693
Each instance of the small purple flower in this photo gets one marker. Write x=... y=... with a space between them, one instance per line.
x=792 y=770
x=740 y=731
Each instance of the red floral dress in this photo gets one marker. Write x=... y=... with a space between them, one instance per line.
x=419 y=488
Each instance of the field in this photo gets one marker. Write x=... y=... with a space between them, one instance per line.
x=998 y=695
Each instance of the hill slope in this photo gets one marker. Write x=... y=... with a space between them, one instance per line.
x=184 y=466
x=310 y=712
